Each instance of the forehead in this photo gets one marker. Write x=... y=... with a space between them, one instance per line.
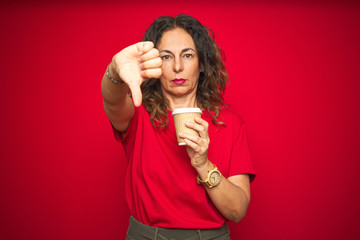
x=175 y=39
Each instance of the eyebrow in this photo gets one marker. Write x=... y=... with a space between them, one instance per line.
x=184 y=50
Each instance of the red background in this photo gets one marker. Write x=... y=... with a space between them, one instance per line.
x=294 y=69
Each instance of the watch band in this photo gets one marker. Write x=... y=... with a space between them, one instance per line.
x=207 y=181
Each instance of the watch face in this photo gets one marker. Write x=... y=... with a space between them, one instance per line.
x=214 y=178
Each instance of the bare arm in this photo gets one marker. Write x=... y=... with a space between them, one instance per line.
x=133 y=65
x=232 y=196
x=118 y=105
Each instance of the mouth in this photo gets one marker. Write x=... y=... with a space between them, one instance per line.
x=179 y=81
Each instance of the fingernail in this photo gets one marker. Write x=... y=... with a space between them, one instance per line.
x=181 y=134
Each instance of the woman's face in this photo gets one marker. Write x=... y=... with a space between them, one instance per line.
x=180 y=69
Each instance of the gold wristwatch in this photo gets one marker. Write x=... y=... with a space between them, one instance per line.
x=212 y=180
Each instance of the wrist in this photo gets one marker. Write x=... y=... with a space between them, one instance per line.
x=112 y=75
x=212 y=178
x=204 y=169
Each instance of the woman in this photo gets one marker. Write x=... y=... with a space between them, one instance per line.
x=177 y=65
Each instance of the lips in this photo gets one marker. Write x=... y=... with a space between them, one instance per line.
x=179 y=81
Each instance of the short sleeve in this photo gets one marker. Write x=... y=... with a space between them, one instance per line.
x=131 y=130
x=240 y=157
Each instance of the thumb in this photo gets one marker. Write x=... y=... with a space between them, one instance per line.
x=144 y=47
x=136 y=94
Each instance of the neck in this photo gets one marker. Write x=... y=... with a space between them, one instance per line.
x=187 y=101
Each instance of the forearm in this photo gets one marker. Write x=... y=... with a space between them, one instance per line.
x=117 y=102
x=231 y=200
x=113 y=93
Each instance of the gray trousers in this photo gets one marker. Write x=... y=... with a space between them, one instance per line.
x=140 y=231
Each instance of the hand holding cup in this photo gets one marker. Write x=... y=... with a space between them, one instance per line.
x=181 y=117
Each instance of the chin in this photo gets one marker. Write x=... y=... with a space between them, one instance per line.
x=181 y=92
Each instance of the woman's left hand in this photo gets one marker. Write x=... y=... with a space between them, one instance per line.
x=197 y=146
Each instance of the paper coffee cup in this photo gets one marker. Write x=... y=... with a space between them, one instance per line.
x=181 y=116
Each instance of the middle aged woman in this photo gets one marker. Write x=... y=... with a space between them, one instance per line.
x=177 y=65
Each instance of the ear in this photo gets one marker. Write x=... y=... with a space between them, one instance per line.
x=201 y=68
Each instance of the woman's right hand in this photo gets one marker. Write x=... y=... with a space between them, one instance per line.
x=136 y=64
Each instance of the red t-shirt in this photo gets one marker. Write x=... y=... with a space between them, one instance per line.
x=161 y=188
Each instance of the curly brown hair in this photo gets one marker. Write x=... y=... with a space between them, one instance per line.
x=212 y=80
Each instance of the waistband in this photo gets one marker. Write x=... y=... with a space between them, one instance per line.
x=140 y=231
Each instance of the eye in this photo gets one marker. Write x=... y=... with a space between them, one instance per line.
x=188 y=55
x=165 y=57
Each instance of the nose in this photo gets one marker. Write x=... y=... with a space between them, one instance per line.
x=178 y=65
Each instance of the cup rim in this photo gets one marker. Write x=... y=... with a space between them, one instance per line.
x=186 y=110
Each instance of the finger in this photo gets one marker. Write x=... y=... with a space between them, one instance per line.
x=195 y=139
x=136 y=94
x=153 y=53
x=151 y=73
x=197 y=127
x=153 y=63
x=200 y=125
x=192 y=145
x=144 y=47
x=203 y=123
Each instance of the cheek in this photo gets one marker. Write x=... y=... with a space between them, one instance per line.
x=165 y=74
x=165 y=69
x=195 y=70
